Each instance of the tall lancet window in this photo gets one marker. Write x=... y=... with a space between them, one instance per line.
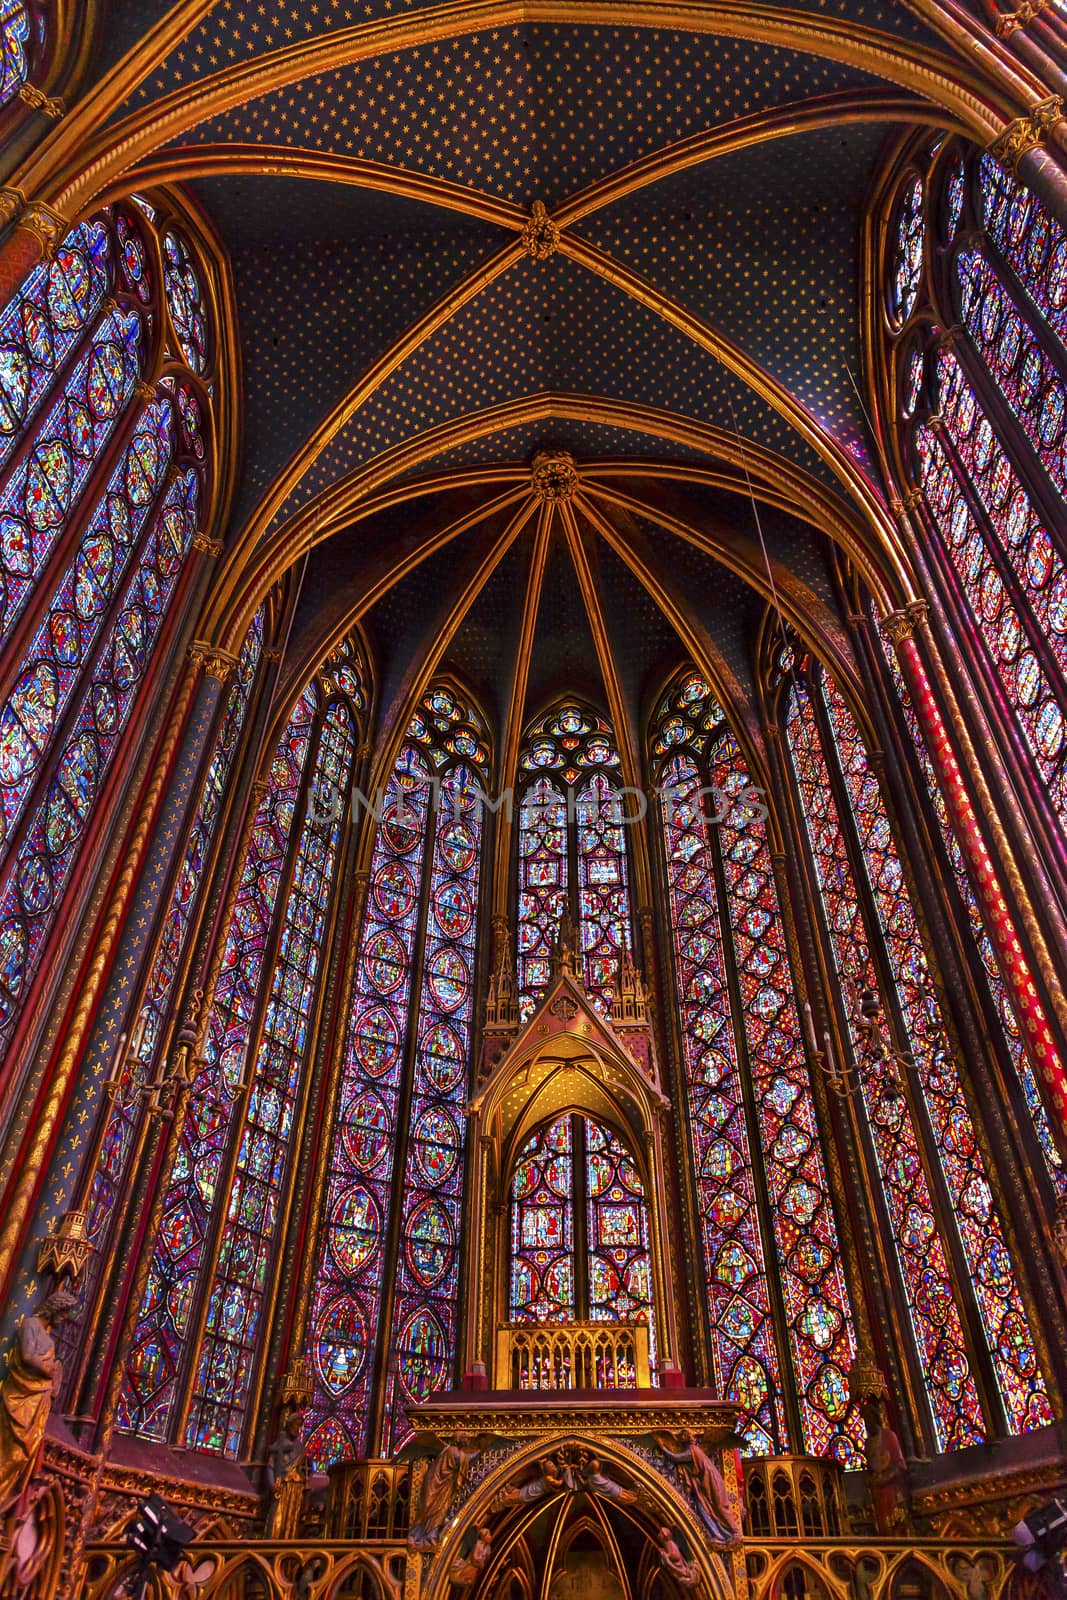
x=977 y=388
x=105 y=474
x=384 y=1308
x=193 y=1357
x=955 y=1267
x=155 y=1016
x=776 y=1289
x=572 y=853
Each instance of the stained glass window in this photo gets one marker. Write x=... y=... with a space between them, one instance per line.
x=22 y=27
x=241 y=1275
x=397 y=1139
x=579 y=1229
x=994 y=274
x=542 y=1227
x=243 y=1101
x=865 y=845
x=726 y=920
x=89 y=566
x=142 y=1058
x=572 y=853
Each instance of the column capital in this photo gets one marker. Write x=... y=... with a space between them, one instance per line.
x=206 y=546
x=901 y=625
x=47 y=224
x=216 y=663
x=1027 y=133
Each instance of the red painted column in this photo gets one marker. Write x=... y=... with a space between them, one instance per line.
x=1025 y=1000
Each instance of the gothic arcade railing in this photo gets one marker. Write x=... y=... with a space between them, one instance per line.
x=572 y=1355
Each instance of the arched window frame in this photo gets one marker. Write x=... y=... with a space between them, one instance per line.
x=721 y=866
x=593 y=760
x=979 y=1409
x=250 y=1091
x=366 y=1305
x=161 y=387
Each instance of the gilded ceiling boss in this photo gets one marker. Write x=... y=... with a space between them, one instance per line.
x=533 y=769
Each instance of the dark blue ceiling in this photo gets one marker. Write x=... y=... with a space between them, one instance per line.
x=761 y=245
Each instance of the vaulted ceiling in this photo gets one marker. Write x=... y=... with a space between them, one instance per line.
x=684 y=319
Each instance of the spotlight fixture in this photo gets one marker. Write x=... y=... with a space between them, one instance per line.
x=160 y=1538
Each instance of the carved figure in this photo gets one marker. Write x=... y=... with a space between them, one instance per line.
x=685 y=1573
x=887 y=1469
x=286 y=1479
x=594 y=1480
x=704 y=1482
x=33 y=1377
x=466 y=1568
x=549 y=1480
x=445 y=1479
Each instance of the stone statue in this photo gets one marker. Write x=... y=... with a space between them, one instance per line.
x=447 y=1475
x=887 y=1469
x=33 y=1378
x=466 y=1568
x=286 y=1479
x=685 y=1573
x=704 y=1482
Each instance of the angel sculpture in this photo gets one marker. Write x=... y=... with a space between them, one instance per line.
x=445 y=1480
x=704 y=1482
x=466 y=1568
x=686 y=1573
x=594 y=1480
x=549 y=1480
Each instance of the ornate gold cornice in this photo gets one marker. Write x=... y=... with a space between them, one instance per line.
x=517 y=1419
x=1027 y=133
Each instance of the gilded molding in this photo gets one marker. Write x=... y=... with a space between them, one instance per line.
x=540 y=236
x=1027 y=133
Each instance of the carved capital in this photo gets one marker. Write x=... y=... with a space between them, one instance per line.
x=540 y=236
x=554 y=475
x=11 y=204
x=36 y=98
x=906 y=504
x=216 y=663
x=206 y=546
x=47 y=224
x=1027 y=133
x=897 y=626
x=1024 y=13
